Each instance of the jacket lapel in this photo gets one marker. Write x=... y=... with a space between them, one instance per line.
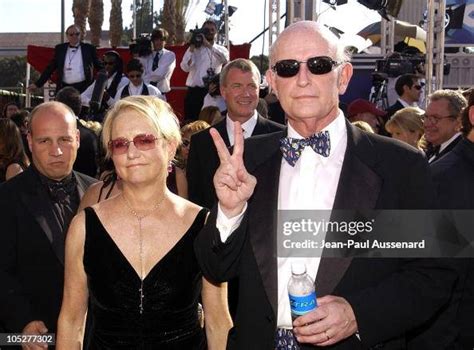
x=358 y=188
x=265 y=203
x=261 y=127
x=221 y=127
x=37 y=202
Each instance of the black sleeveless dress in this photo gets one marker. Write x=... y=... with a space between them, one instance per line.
x=171 y=292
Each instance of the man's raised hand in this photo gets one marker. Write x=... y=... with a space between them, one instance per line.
x=234 y=185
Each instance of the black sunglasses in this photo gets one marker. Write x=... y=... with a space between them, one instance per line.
x=316 y=65
x=74 y=34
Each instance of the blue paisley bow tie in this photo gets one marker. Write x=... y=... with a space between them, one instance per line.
x=292 y=148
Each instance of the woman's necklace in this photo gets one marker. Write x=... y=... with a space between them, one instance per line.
x=140 y=240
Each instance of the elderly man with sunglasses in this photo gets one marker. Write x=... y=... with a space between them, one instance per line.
x=363 y=303
x=74 y=62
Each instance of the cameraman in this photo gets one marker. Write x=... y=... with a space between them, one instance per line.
x=160 y=64
x=203 y=59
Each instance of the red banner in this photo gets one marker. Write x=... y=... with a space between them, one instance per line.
x=39 y=57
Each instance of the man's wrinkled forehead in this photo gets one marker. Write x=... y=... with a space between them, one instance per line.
x=308 y=34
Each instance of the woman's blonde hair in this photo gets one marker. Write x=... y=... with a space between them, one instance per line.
x=409 y=119
x=158 y=112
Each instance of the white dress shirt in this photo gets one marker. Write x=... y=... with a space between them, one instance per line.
x=87 y=94
x=217 y=101
x=198 y=62
x=162 y=74
x=310 y=184
x=247 y=127
x=73 y=66
x=137 y=90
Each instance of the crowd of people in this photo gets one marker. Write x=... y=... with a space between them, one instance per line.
x=135 y=230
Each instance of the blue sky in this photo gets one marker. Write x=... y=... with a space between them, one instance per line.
x=246 y=23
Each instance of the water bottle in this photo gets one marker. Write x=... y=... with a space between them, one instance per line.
x=301 y=291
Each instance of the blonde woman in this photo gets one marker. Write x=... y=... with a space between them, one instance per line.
x=131 y=258
x=407 y=125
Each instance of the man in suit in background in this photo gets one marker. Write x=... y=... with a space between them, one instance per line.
x=36 y=208
x=88 y=154
x=453 y=175
x=363 y=303
x=408 y=88
x=442 y=122
x=74 y=62
x=160 y=64
x=239 y=81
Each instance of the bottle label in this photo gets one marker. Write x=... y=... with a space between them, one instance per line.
x=302 y=304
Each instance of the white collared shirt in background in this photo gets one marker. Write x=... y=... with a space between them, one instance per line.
x=73 y=71
x=247 y=127
x=198 y=62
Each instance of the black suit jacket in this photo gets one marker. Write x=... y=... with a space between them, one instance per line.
x=454 y=178
x=89 y=60
x=203 y=160
x=446 y=150
x=393 y=108
x=88 y=152
x=31 y=264
x=390 y=297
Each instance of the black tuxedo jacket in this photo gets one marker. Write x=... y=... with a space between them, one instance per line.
x=203 y=160
x=446 y=150
x=392 y=298
x=393 y=108
x=454 y=178
x=88 y=154
x=31 y=263
x=89 y=60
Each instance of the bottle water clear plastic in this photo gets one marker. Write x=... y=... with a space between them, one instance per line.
x=301 y=291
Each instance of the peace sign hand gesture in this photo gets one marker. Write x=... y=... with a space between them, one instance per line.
x=233 y=184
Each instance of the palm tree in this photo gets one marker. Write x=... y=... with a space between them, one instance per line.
x=80 y=11
x=168 y=16
x=96 y=19
x=116 y=29
x=180 y=20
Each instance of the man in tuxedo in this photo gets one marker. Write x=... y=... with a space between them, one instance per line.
x=453 y=176
x=74 y=62
x=36 y=208
x=239 y=82
x=408 y=88
x=442 y=122
x=363 y=303
x=160 y=64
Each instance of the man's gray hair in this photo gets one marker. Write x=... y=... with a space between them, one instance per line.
x=242 y=64
x=456 y=101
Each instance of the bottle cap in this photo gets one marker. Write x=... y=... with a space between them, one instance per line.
x=298 y=268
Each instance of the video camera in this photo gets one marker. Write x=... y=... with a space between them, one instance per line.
x=209 y=78
x=395 y=67
x=197 y=36
x=141 y=46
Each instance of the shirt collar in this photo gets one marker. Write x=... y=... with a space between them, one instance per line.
x=337 y=130
x=446 y=143
x=406 y=104
x=248 y=126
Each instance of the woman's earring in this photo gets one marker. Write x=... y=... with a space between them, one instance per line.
x=170 y=166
